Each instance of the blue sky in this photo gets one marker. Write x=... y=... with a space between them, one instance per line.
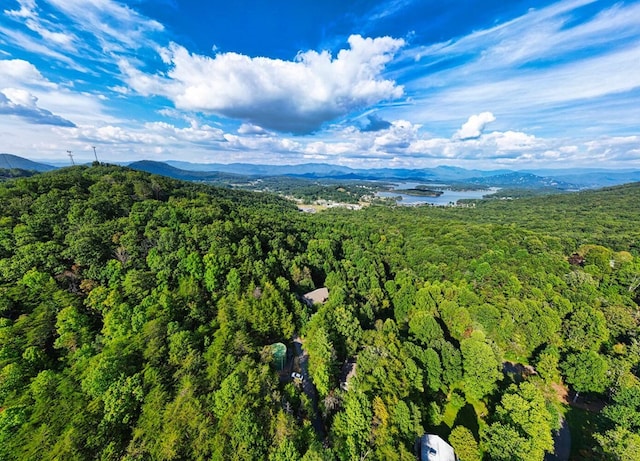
x=396 y=83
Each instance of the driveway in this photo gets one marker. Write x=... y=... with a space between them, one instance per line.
x=561 y=444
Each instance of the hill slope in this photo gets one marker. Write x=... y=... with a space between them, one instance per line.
x=164 y=169
x=9 y=161
x=138 y=317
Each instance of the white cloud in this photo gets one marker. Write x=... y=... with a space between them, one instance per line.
x=571 y=82
x=121 y=90
x=36 y=46
x=250 y=128
x=20 y=97
x=268 y=146
x=26 y=9
x=293 y=96
x=474 y=126
x=513 y=141
x=29 y=95
x=116 y=26
x=403 y=144
x=398 y=136
x=82 y=108
x=75 y=32
x=14 y=72
x=195 y=133
x=547 y=60
x=20 y=103
x=48 y=30
x=62 y=39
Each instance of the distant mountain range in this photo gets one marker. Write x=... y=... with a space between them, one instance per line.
x=324 y=170
x=564 y=179
x=10 y=162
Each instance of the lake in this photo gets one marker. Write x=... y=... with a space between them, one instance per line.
x=448 y=196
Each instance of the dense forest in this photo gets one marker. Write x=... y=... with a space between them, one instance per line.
x=137 y=315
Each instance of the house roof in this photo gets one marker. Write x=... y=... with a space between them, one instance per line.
x=434 y=448
x=319 y=296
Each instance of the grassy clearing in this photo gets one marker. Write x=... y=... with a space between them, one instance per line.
x=583 y=424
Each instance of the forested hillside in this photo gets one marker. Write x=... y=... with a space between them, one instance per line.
x=137 y=314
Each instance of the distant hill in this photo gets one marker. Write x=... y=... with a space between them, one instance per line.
x=249 y=169
x=13 y=173
x=522 y=180
x=164 y=169
x=596 y=179
x=10 y=162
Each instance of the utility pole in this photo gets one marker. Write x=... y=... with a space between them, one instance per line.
x=71 y=157
x=94 y=153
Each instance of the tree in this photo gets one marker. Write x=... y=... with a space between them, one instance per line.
x=586 y=371
x=586 y=328
x=424 y=327
x=625 y=409
x=72 y=327
x=622 y=441
x=321 y=357
x=285 y=451
x=481 y=366
x=433 y=370
x=122 y=400
x=620 y=444
x=522 y=426
x=352 y=427
x=451 y=363
x=464 y=444
x=547 y=365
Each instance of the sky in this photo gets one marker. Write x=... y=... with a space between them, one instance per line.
x=360 y=83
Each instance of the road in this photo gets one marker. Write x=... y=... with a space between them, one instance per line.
x=562 y=444
x=307 y=386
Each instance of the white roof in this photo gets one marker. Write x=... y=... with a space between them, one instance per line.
x=317 y=296
x=433 y=448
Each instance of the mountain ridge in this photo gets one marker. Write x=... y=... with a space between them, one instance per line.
x=10 y=161
x=560 y=179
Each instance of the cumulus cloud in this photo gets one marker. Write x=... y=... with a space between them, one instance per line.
x=292 y=96
x=403 y=144
x=201 y=134
x=375 y=123
x=474 y=127
x=14 y=72
x=23 y=104
x=512 y=141
x=159 y=134
x=399 y=136
x=251 y=129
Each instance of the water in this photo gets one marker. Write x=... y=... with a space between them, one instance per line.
x=448 y=196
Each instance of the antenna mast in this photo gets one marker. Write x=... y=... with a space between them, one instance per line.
x=71 y=157
x=94 y=153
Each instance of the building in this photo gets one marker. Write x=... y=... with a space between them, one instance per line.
x=434 y=448
x=318 y=296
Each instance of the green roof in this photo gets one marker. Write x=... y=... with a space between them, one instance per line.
x=279 y=352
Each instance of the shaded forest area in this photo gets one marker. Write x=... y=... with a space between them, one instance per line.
x=137 y=314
